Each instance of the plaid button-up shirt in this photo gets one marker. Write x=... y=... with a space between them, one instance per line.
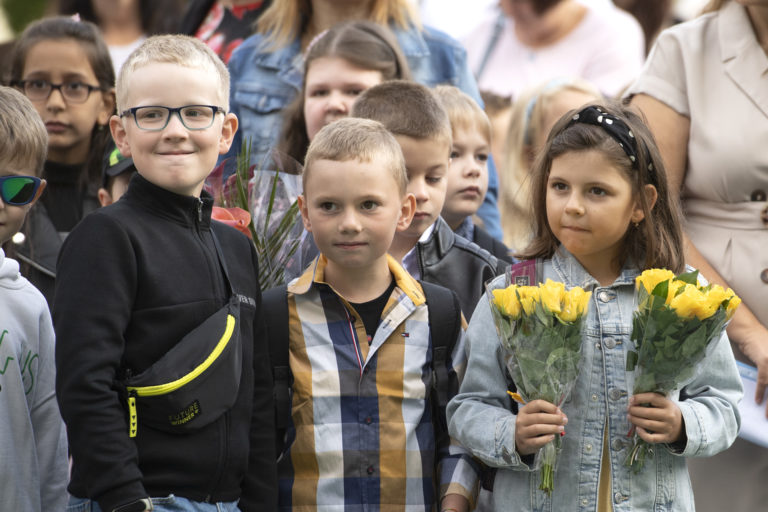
x=362 y=437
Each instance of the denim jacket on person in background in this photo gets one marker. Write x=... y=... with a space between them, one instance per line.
x=264 y=82
x=480 y=419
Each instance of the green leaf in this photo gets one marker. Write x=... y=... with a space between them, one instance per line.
x=689 y=277
x=631 y=360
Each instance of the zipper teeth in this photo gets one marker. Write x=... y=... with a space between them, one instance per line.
x=161 y=389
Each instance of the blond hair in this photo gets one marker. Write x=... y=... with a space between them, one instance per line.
x=463 y=111
x=357 y=139
x=405 y=108
x=23 y=137
x=525 y=124
x=182 y=50
x=284 y=21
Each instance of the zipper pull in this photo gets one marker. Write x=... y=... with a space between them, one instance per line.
x=199 y=209
x=133 y=420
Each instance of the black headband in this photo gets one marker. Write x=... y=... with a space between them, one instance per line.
x=613 y=126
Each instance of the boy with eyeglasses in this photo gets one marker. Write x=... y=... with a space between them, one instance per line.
x=33 y=444
x=164 y=375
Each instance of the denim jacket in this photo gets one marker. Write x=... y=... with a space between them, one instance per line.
x=480 y=418
x=263 y=82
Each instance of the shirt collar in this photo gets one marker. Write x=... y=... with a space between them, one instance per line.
x=572 y=273
x=315 y=275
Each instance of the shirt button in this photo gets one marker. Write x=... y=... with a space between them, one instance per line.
x=609 y=342
x=584 y=502
x=588 y=448
x=370 y=470
x=617 y=444
x=615 y=394
x=604 y=296
x=618 y=497
x=594 y=397
x=764 y=275
x=758 y=195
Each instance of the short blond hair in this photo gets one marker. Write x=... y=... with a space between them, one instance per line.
x=405 y=108
x=182 y=50
x=23 y=137
x=463 y=112
x=357 y=139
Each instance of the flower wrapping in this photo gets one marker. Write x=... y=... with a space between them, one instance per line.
x=540 y=329
x=674 y=325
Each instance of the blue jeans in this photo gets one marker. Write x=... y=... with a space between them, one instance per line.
x=168 y=504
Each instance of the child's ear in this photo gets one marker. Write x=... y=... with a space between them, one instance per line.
x=407 y=210
x=651 y=196
x=105 y=198
x=228 y=130
x=119 y=136
x=304 y=213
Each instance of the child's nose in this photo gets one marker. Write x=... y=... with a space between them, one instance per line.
x=349 y=222
x=337 y=102
x=55 y=100
x=175 y=127
x=419 y=189
x=574 y=205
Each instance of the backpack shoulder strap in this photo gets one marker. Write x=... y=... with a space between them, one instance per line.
x=444 y=313
x=275 y=314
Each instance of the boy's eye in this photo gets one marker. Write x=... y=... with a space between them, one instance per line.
x=317 y=93
x=454 y=154
x=434 y=179
x=482 y=157
x=151 y=113
x=328 y=206
x=356 y=91
x=369 y=205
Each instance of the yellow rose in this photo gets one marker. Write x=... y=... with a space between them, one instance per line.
x=674 y=286
x=575 y=303
x=552 y=294
x=506 y=301
x=732 y=304
x=692 y=302
x=653 y=276
x=529 y=296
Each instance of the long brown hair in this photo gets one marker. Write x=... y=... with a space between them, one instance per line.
x=658 y=240
x=363 y=44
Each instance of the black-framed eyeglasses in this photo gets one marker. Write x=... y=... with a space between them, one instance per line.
x=18 y=190
x=73 y=92
x=155 y=117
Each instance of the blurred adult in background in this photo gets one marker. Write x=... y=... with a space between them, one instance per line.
x=125 y=24
x=222 y=24
x=267 y=69
x=530 y=41
x=704 y=91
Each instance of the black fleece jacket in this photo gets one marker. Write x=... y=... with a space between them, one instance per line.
x=132 y=279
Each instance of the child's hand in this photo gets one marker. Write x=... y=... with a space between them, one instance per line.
x=538 y=422
x=657 y=418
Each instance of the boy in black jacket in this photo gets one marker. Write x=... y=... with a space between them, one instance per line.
x=151 y=281
x=428 y=249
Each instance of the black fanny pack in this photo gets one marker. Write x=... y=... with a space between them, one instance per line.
x=195 y=382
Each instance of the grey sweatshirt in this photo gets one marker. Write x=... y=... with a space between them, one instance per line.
x=33 y=443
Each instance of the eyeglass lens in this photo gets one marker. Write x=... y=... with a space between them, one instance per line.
x=72 y=91
x=18 y=190
x=194 y=117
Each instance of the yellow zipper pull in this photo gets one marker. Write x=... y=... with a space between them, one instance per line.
x=133 y=420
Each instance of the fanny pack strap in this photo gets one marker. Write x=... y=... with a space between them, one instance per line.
x=222 y=262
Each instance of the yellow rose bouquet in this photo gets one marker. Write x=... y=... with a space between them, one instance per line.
x=540 y=328
x=676 y=321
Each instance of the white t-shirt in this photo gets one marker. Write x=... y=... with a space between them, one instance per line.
x=607 y=48
x=120 y=53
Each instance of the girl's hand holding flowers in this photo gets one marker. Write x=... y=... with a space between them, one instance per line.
x=657 y=418
x=538 y=422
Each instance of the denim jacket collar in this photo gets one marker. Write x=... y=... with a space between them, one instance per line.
x=572 y=273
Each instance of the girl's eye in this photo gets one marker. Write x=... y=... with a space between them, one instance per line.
x=482 y=157
x=38 y=84
x=454 y=154
x=355 y=91
x=559 y=186
x=328 y=206
x=74 y=86
x=598 y=191
x=318 y=93
x=369 y=205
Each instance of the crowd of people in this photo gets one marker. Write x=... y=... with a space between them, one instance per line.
x=144 y=367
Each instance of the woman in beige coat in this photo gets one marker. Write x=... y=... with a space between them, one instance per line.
x=704 y=91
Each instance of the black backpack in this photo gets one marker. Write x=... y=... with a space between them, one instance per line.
x=444 y=323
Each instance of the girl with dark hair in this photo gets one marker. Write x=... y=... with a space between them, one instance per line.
x=603 y=213
x=64 y=68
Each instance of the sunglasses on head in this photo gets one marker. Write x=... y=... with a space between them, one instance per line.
x=18 y=190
